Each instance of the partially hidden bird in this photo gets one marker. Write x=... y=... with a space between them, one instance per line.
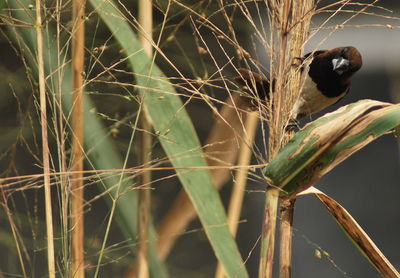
x=325 y=76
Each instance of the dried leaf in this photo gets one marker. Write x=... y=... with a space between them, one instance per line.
x=356 y=234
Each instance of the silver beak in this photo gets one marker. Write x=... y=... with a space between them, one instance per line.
x=340 y=64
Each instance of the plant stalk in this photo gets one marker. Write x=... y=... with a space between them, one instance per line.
x=286 y=237
x=144 y=219
x=61 y=146
x=268 y=233
x=77 y=200
x=290 y=21
x=277 y=132
x=45 y=144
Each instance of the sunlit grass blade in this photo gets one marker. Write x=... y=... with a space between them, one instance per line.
x=326 y=142
x=178 y=138
x=221 y=150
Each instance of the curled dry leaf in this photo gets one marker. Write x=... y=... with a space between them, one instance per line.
x=356 y=233
x=324 y=143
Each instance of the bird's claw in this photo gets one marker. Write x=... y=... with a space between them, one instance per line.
x=292 y=125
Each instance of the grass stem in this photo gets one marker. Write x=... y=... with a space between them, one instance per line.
x=45 y=143
x=286 y=237
x=268 y=233
x=77 y=200
x=144 y=217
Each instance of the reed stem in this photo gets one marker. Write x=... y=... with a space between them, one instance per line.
x=289 y=21
x=268 y=233
x=77 y=199
x=286 y=238
x=45 y=144
x=144 y=219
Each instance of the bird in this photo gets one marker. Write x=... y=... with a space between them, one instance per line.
x=326 y=79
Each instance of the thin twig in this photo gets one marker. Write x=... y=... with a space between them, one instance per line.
x=14 y=232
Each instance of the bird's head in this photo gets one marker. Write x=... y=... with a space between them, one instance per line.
x=346 y=60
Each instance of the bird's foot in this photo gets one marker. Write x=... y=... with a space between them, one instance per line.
x=292 y=125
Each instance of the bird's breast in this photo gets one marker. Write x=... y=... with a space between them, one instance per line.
x=311 y=100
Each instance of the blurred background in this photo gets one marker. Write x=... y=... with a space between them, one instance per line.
x=367 y=184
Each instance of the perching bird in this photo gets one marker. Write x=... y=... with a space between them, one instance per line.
x=326 y=79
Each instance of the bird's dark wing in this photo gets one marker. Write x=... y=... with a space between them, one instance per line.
x=314 y=53
x=254 y=84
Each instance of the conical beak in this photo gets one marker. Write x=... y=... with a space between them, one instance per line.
x=340 y=65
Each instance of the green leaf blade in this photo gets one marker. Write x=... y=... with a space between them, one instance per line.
x=178 y=138
x=329 y=140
